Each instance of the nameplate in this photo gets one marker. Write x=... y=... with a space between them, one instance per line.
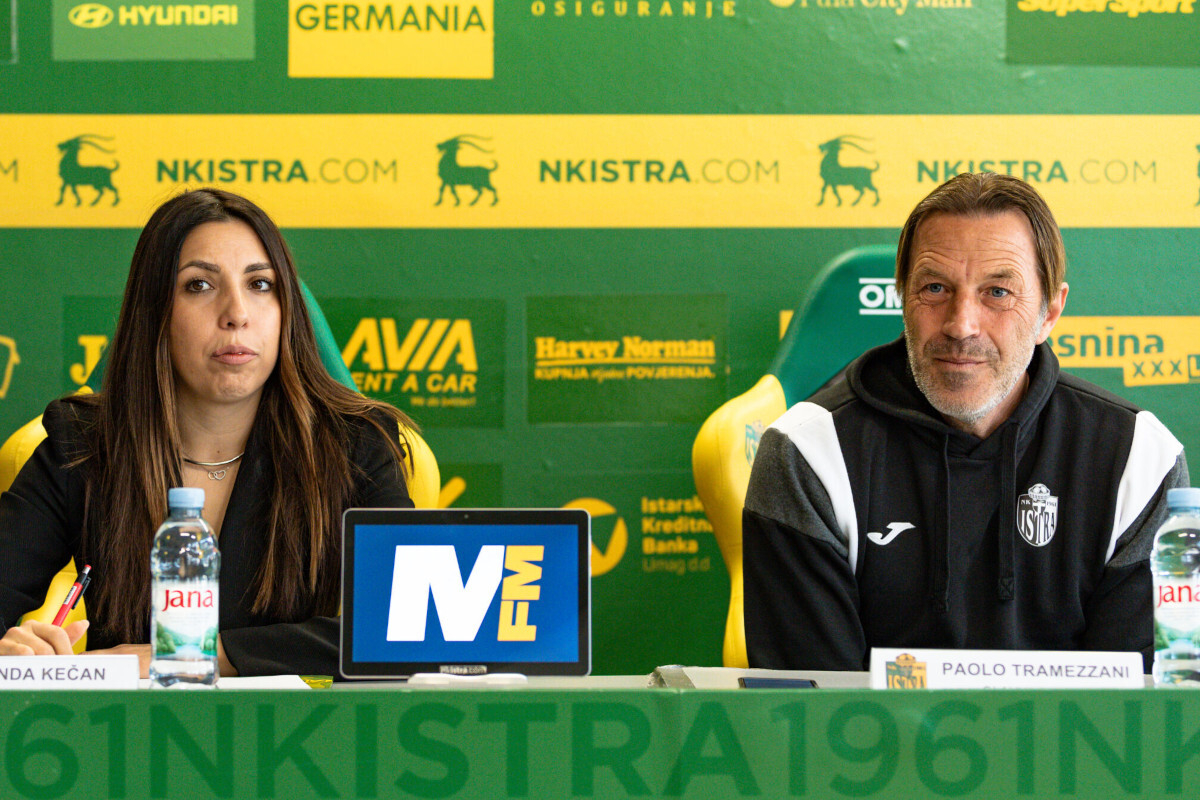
x=69 y=672
x=904 y=668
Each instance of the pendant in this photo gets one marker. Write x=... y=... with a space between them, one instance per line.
x=217 y=474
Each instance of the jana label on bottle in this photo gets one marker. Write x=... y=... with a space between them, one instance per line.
x=185 y=619
x=1177 y=604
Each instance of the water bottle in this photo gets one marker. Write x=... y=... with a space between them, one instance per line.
x=184 y=608
x=1175 y=563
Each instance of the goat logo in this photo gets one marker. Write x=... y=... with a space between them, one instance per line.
x=90 y=15
x=12 y=360
x=836 y=174
x=74 y=174
x=454 y=174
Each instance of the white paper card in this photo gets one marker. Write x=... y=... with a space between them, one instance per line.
x=905 y=668
x=69 y=672
x=263 y=682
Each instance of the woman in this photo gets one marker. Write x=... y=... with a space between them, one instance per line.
x=214 y=380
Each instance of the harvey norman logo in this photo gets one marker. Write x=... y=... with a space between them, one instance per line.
x=421 y=571
x=391 y=40
x=627 y=358
x=108 y=31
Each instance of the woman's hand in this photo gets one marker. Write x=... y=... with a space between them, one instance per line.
x=35 y=638
x=142 y=651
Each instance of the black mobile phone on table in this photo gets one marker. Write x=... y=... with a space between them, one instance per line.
x=776 y=683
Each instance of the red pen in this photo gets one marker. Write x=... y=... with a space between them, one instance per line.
x=77 y=589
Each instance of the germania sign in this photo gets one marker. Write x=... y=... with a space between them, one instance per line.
x=390 y=40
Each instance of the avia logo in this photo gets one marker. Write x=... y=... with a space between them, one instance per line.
x=74 y=174
x=878 y=297
x=835 y=174
x=90 y=15
x=453 y=174
x=11 y=359
x=428 y=346
x=894 y=530
x=604 y=560
x=424 y=570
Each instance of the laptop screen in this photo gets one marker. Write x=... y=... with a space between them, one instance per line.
x=465 y=591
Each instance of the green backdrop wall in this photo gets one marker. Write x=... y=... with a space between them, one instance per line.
x=642 y=192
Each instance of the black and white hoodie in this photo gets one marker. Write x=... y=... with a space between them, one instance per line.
x=870 y=522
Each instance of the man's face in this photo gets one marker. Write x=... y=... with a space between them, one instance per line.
x=973 y=312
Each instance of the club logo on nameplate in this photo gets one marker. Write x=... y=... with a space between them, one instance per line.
x=906 y=673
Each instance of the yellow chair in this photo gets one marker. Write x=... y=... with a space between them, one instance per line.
x=850 y=307
x=424 y=477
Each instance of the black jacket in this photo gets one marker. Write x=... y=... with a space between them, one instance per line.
x=41 y=518
x=870 y=522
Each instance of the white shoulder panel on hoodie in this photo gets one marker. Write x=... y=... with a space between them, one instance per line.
x=810 y=428
x=1151 y=456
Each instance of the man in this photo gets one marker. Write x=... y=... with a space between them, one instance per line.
x=953 y=488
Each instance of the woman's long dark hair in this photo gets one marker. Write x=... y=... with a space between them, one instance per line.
x=133 y=450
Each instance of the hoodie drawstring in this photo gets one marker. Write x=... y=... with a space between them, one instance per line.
x=939 y=556
x=1008 y=507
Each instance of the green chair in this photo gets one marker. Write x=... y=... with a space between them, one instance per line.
x=850 y=307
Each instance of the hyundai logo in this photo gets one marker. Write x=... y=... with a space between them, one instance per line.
x=90 y=15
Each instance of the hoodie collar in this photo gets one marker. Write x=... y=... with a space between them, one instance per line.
x=881 y=378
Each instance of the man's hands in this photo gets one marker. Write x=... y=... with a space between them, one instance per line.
x=35 y=638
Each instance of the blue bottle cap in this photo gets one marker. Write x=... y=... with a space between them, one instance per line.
x=185 y=497
x=1185 y=497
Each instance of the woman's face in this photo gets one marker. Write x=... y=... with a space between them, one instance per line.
x=225 y=316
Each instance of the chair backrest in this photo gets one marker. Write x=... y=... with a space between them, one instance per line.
x=424 y=477
x=850 y=307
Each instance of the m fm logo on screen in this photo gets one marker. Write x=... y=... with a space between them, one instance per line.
x=421 y=570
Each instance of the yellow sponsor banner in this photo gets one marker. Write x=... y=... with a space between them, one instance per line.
x=637 y=171
x=390 y=40
x=1150 y=351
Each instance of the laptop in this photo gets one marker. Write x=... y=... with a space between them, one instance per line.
x=465 y=592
